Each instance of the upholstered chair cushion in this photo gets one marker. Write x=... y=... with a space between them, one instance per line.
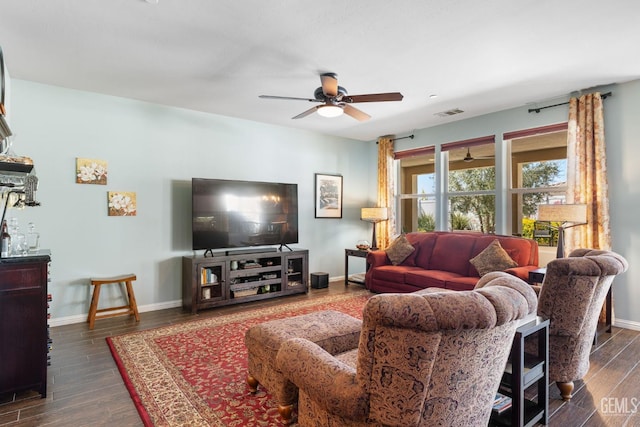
x=492 y=258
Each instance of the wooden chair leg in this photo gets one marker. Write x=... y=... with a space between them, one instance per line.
x=566 y=390
x=252 y=383
x=132 y=300
x=93 y=309
x=285 y=411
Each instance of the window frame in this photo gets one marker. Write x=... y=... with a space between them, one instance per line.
x=514 y=194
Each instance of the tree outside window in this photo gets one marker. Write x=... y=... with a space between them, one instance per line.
x=473 y=212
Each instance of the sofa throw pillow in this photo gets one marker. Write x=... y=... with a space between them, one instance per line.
x=492 y=258
x=399 y=250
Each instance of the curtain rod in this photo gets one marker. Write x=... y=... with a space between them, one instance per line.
x=537 y=110
x=402 y=137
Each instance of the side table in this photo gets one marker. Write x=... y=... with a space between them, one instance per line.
x=360 y=253
x=537 y=275
x=525 y=370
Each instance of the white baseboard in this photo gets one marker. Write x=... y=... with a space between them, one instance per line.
x=627 y=324
x=82 y=318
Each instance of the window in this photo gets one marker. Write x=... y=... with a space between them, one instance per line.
x=417 y=189
x=538 y=176
x=468 y=192
x=471 y=185
x=454 y=187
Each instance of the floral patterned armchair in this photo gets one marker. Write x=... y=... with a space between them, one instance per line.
x=571 y=297
x=424 y=359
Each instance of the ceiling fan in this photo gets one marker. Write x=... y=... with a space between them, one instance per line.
x=469 y=158
x=335 y=100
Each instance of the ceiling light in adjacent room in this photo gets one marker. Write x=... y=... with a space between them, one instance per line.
x=330 y=110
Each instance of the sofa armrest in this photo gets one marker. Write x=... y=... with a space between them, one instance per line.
x=325 y=379
x=377 y=258
x=522 y=272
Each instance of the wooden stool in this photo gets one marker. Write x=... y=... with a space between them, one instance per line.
x=132 y=307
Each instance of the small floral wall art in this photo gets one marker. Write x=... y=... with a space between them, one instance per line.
x=122 y=203
x=91 y=171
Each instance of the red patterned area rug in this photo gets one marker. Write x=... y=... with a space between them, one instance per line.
x=194 y=373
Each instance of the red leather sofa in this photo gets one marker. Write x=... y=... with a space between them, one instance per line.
x=441 y=259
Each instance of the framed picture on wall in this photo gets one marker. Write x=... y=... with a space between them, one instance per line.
x=122 y=203
x=91 y=171
x=328 y=196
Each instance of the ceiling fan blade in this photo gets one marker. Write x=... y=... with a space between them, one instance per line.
x=306 y=113
x=374 y=97
x=329 y=84
x=288 y=97
x=355 y=113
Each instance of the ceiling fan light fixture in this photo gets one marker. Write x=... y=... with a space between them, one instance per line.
x=468 y=157
x=330 y=110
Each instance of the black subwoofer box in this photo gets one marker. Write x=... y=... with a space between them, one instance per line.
x=319 y=280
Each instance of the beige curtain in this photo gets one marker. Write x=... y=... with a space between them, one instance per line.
x=587 y=173
x=386 y=180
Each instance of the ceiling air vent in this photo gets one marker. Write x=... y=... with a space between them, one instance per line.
x=448 y=113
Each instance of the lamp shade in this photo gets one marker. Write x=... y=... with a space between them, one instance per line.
x=563 y=213
x=374 y=214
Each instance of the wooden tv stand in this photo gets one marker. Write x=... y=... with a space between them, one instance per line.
x=220 y=280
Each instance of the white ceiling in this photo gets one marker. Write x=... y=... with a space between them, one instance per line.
x=218 y=55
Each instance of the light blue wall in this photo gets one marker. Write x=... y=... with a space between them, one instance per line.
x=622 y=130
x=622 y=134
x=155 y=151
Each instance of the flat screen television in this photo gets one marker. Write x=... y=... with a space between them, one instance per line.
x=237 y=214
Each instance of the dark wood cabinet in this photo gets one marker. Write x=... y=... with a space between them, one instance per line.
x=23 y=324
x=231 y=279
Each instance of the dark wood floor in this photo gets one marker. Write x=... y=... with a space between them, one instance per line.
x=86 y=389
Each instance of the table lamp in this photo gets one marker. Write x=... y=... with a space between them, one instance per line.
x=564 y=214
x=374 y=216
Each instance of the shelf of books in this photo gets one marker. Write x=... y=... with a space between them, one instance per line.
x=501 y=403
x=524 y=371
x=211 y=282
